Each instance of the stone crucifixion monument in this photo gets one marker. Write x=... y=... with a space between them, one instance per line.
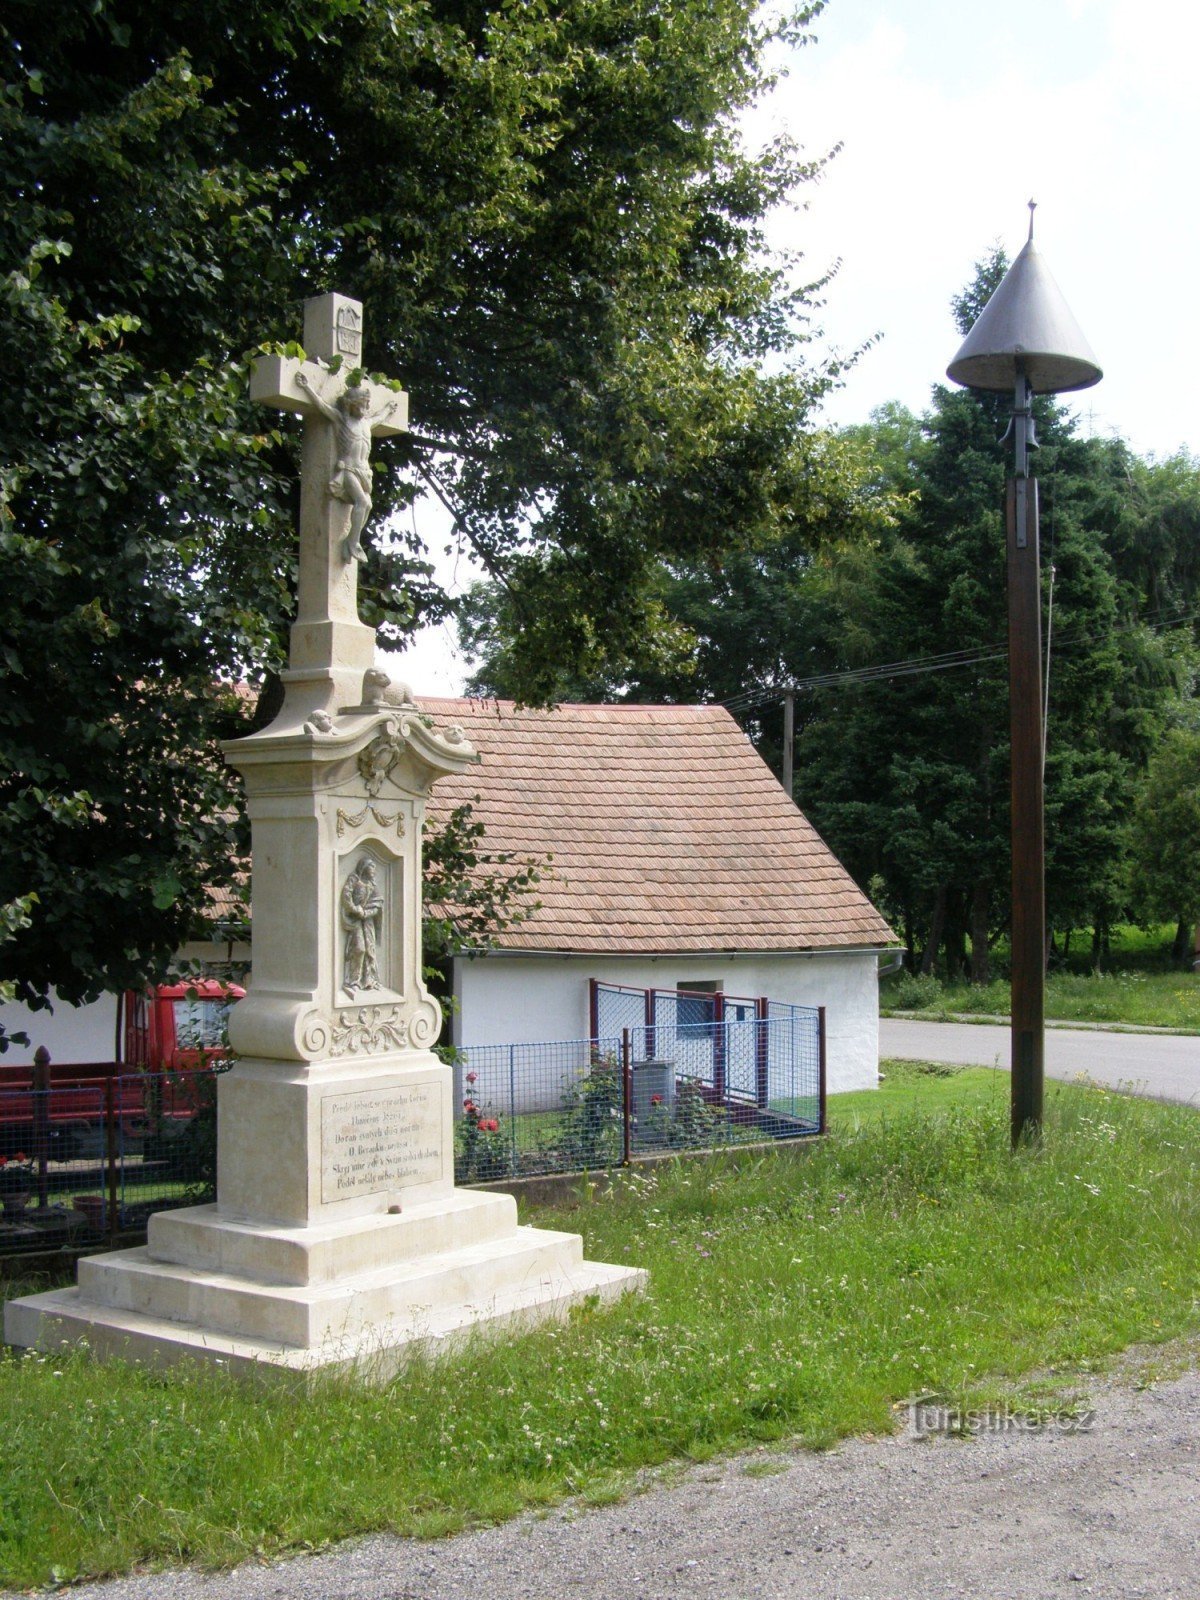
x=338 y=1236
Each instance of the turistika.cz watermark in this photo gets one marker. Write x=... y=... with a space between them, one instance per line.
x=936 y=1416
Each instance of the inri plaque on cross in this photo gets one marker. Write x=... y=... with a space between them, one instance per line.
x=343 y=411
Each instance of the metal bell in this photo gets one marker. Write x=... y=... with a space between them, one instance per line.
x=1026 y=330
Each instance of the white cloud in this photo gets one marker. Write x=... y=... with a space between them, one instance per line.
x=939 y=161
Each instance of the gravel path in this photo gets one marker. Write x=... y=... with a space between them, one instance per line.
x=1017 y=1515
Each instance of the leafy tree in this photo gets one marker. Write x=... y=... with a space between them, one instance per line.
x=722 y=626
x=557 y=237
x=910 y=778
x=1165 y=845
x=471 y=893
x=13 y=917
x=907 y=776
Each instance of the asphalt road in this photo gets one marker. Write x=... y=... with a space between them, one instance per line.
x=1165 y=1066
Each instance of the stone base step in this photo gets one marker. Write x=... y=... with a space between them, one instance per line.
x=48 y=1321
x=203 y=1238
x=308 y=1315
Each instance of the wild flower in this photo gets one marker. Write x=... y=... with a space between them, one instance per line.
x=482 y=1153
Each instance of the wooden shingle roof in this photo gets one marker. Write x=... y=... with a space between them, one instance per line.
x=668 y=832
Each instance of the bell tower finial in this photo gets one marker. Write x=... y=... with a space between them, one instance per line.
x=1032 y=209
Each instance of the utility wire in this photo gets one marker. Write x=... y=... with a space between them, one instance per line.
x=918 y=666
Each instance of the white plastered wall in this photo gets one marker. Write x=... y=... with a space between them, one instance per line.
x=518 y=999
x=87 y=1034
x=72 y=1034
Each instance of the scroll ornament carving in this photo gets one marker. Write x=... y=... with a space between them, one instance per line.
x=424 y=1023
x=314 y=1039
x=368 y=1030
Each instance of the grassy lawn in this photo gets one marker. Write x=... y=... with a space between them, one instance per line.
x=794 y=1295
x=920 y=1088
x=1146 y=999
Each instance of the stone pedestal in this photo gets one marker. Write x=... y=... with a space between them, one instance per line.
x=338 y=1237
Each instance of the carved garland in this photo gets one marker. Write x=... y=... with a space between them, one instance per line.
x=371 y=1030
x=346 y=819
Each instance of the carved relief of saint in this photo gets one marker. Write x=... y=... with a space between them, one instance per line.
x=362 y=919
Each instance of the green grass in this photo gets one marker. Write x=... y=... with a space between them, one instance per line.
x=1137 y=984
x=919 y=1088
x=795 y=1296
x=1145 y=999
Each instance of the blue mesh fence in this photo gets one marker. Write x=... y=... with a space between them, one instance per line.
x=86 y=1158
x=529 y=1109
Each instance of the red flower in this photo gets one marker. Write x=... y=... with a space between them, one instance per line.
x=490 y=1126
x=21 y=1156
x=472 y=1077
x=468 y=1105
x=656 y=1099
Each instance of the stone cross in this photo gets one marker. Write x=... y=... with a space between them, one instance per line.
x=343 y=411
x=338 y=1237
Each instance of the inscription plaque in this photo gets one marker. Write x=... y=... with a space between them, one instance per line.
x=378 y=1139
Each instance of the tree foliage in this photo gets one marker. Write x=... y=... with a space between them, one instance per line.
x=557 y=237
x=907 y=776
x=1165 y=851
x=472 y=893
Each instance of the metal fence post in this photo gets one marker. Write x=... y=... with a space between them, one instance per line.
x=627 y=1096
x=110 y=1139
x=512 y=1102
x=41 y=1121
x=762 y=1053
x=821 y=1086
x=720 y=1041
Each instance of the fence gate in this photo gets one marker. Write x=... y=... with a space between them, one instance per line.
x=747 y=1054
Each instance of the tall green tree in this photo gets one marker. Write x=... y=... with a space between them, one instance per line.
x=720 y=624
x=1165 y=836
x=910 y=778
x=908 y=775
x=558 y=239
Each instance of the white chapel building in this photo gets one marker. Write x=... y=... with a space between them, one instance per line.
x=676 y=861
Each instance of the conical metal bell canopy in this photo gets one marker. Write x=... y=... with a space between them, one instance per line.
x=1026 y=327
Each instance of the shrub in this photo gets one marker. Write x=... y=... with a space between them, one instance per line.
x=591 y=1133
x=913 y=991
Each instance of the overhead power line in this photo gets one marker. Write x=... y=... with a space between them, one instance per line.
x=947 y=661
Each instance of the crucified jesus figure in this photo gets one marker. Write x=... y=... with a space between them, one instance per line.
x=351 y=481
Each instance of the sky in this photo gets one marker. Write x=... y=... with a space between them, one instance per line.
x=951 y=115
